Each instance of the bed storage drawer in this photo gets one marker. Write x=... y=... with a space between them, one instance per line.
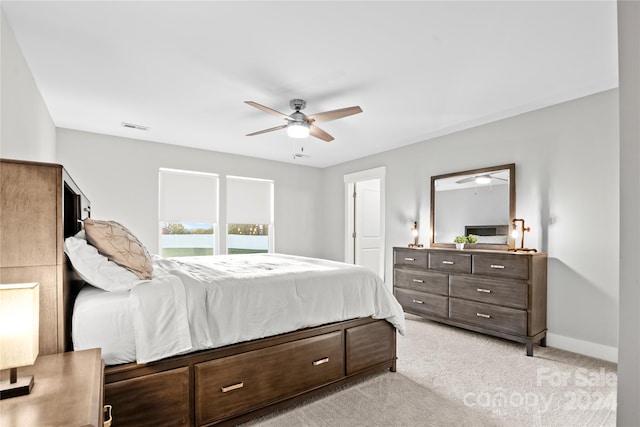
x=369 y=345
x=159 y=399
x=232 y=385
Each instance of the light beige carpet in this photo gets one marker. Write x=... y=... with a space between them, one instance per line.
x=451 y=377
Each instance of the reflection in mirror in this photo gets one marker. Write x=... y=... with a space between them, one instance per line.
x=480 y=202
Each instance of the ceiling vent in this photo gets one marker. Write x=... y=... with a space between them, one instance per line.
x=134 y=126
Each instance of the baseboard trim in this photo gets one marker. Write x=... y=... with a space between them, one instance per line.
x=586 y=348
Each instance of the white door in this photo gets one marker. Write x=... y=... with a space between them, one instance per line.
x=364 y=219
x=367 y=225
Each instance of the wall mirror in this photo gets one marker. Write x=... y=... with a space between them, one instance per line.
x=481 y=202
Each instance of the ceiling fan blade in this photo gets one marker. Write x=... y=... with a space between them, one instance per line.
x=334 y=114
x=319 y=133
x=467 y=179
x=268 y=110
x=267 y=130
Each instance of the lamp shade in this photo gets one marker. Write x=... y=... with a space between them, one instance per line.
x=298 y=129
x=19 y=324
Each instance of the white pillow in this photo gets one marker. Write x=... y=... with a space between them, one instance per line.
x=96 y=269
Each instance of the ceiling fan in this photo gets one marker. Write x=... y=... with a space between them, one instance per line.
x=299 y=125
x=481 y=179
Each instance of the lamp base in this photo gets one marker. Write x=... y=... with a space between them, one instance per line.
x=21 y=387
x=523 y=250
x=415 y=245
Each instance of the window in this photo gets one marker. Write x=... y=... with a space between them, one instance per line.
x=188 y=213
x=249 y=215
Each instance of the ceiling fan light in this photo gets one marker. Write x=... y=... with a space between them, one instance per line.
x=298 y=129
x=484 y=179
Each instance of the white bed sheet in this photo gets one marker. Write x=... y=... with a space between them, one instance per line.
x=104 y=319
x=204 y=302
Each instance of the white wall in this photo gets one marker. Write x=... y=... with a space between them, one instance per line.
x=26 y=129
x=120 y=177
x=629 y=360
x=567 y=190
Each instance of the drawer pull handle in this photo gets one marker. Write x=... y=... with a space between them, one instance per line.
x=498 y=266
x=418 y=281
x=417 y=301
x=232 y=387
x=448 y=262
x=409 y=259
x=486 y=291
x=321 y=361
x=486 y=316
x=108 y=419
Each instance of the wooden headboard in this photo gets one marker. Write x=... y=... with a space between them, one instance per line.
x=40 y=205
x=75 y=208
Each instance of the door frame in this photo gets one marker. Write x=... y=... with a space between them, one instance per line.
x=349 y=184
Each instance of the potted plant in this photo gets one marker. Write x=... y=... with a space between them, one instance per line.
x=472 y=239
x=460 y=241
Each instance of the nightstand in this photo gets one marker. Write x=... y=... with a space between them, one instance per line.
x=68 y=391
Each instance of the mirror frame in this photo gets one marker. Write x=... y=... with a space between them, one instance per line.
x=512 y=206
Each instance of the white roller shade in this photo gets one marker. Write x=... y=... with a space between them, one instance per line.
x=188 y=196
x=249 y=201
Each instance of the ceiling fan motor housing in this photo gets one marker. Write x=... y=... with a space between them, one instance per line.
x=297 y=104
x=298 y=117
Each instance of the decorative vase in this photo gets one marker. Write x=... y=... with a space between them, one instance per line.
x=460 y=246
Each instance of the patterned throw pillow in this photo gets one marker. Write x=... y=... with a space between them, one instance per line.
x=117 y=243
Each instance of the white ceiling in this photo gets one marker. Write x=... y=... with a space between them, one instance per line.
x=417 y=69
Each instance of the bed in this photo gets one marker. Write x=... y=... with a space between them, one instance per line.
x=221 y=340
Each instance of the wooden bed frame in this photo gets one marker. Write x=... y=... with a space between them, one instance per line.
x=232 y=384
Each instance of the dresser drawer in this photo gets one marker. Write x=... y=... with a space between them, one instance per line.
x=421 y=281
x=510 y=294
x=234 y=384
x=503 y=319
x=422 y=303
x=450 y=262
x=413 y=257
x=511 y=266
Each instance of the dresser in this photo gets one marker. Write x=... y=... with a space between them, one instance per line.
x=498 y=293
x=35 y=201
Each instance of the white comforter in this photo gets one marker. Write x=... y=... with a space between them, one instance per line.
x=203 y=302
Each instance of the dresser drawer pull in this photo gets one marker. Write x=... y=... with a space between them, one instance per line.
x=498 y=266
x=321 y=361
x=486 y=291
x=232 y=387
x=418 y=281
x=417 y=301
x=409 y=259
x=448 y=262
x=486 y=316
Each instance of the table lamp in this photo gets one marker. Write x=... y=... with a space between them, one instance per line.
x=19 y=328
x=414 y=234
x=520 y=231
